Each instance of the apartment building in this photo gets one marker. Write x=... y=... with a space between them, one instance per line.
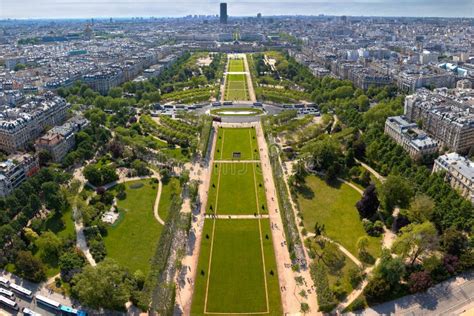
x=459 y=172
x=410 y=137
x=15 y=170
x=447 y=115
x=61 y=139
x=23 y=124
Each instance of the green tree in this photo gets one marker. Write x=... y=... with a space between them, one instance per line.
x=49 y=246
x=71 y=263
x=333 y=258
x=416 y=240
x=105 y=286
x=395 y=191
x=29 y=267
x=454 y=241
x=362 y=245
x=116 y=92
x=421 y=209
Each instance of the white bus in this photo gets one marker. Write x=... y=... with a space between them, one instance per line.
x=20 y=290
x=7 y=293
x=8 y=303
x=4 y=281
x=47 y=301
x=29 y=312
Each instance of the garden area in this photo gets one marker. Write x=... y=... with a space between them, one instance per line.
x=131 y=241
x=333 y=205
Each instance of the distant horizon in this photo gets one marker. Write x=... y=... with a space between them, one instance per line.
x=76 y=9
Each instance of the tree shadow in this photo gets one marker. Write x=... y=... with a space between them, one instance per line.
x=306 y=191
x=367 y=258
x=334 y=183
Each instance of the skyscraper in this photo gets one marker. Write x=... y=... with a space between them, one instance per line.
x=224 y=13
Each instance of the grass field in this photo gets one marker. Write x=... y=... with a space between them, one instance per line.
x=232 y=140
x=236 y=187
x=132 y=241
x=236 y=88
x=334 y=206
x=237 y=271
x=236 y=65
x=237 y=274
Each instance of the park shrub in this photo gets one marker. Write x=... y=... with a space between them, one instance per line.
x=137 y=185
x=355 y=277
x=326 y=300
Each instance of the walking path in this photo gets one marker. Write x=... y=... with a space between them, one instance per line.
x=250 y=88
x=184 y=292
x=291 y=300
x=157 y=203
x=81 y=242
x=216 y=216
x=371 y=170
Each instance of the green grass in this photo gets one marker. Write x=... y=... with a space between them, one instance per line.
x=236 y=65
x=230 y=140
x=236 y=87
x=167 y=191
x=62 y=224
x=132 y=242
x=234 y=186
x=236 y=279
x=334 y=206
x=180 y=154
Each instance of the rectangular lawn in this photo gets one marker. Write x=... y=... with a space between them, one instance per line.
x=236 y=187
x=236 y=140
x=239 y=281
x=334 y=207
x=236 y=87
x=236 y=65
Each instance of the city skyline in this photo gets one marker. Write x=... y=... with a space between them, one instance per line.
x=29 y=9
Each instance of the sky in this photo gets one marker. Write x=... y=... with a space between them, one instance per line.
x=167 y=8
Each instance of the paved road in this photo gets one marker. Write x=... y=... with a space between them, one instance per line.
x=451 y=297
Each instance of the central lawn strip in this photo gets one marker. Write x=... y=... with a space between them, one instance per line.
x=236 y=189
x=236 y=87
x=334 y=207
x=236 y=280
x=231 y=140
x=236 y=65
x=132 y=241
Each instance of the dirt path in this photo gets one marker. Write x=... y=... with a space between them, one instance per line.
x=157 y=203
x=291 y=299
x=202 y=173
x=371 y=170
x=258 y=216
x=81 y=242
x=250 y=88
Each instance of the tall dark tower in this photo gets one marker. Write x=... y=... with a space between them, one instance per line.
x=224 y=13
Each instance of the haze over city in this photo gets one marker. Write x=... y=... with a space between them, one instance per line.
x=162 y=8
x=195 y=158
